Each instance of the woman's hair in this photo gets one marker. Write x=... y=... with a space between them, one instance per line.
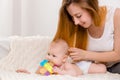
x=66 y=27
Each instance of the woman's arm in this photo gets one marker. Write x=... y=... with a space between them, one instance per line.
x=117 y=32
x=79 y=54
x=111 y=56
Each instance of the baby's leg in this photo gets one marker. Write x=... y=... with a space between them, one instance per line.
x=97 y=68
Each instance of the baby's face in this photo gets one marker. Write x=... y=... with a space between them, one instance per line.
x=56 y=55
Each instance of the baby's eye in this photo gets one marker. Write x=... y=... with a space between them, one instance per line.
x=48 y=53
x=54 y=55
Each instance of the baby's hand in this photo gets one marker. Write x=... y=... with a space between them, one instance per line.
x=22 y=71
x=57 y=70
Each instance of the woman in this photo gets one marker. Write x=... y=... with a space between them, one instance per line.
x=93 y=32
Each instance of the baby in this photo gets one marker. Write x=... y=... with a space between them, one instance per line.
x=58 y=55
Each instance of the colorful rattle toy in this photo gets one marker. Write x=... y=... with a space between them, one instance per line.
x=46 y=68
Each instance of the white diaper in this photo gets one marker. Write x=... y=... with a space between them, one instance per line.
x=84 y=66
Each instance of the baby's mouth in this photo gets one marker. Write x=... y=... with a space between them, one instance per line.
x=55 y=65
x=51 y=63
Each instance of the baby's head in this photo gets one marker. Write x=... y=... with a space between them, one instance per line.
x=58 y=52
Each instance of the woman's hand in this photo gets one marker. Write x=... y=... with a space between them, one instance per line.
x=77 y=54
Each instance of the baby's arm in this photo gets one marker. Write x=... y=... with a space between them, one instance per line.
x=59 y=71
x=38 y=70
x=69 y=69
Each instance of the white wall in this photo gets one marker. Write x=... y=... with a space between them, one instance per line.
x=40 y=16
x=28 y=17
x=5 y=17
x=32 y=17
x=115 y=3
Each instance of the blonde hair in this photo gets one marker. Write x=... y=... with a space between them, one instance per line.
x=66 y=27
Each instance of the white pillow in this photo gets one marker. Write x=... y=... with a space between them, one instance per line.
x=26 y=52
x=4 y=47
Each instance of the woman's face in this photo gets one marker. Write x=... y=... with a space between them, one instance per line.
x=80 y=16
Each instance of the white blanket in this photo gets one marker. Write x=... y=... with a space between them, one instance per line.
x=27 y=52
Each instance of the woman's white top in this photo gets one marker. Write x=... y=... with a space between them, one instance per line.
x=106 y=41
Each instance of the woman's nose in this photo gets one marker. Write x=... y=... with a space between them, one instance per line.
x=76 y=21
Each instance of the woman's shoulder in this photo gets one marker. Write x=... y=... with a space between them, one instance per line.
x=117 y=11
x=117 y=17
x=117 y=14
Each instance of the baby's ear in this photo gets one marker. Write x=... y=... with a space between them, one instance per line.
x=65 y=58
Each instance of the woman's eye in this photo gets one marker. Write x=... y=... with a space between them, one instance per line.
x=79 y=16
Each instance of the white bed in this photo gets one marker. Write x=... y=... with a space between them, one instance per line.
x=27 y=52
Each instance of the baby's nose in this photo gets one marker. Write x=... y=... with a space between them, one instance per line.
x=48 y=58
